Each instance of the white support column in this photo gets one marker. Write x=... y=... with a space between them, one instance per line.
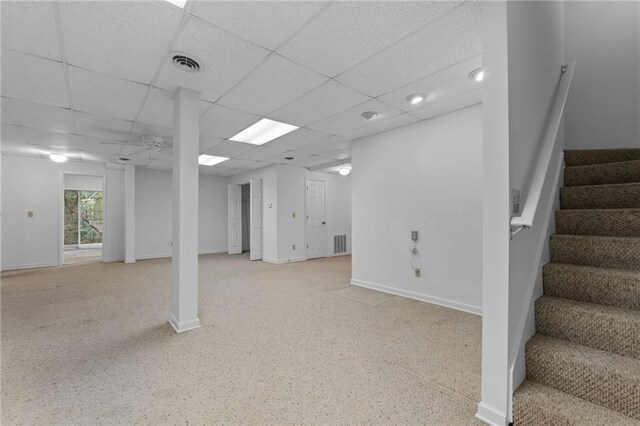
x=130 y=213
x=184 y=302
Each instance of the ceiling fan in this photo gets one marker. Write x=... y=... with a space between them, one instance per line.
x=149 y=143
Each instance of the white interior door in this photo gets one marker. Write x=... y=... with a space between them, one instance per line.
x=235 y=218
x=256 y=219
x=316 y=221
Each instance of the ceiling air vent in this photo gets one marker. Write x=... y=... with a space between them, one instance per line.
x=186 y=63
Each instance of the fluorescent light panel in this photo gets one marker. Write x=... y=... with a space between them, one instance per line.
x=210 y=160
x=179 y=3
x=263 y=131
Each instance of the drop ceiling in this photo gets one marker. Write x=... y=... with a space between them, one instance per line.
x=91 y=78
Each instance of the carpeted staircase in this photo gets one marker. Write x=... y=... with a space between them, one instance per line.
x=583 y=364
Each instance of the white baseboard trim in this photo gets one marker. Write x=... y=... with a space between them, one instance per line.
x=280 y=262
x=30 y=266
x=418 y=296
x=339 y=254
x=163 y=256
x=490 y=415
x=181 y=327
x=114 y=259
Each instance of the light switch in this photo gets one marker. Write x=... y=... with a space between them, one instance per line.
x=30 y=213
x=414 y=236
x=294 y=215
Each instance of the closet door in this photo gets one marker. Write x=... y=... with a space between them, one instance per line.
x=256 y=219
x=235 y=218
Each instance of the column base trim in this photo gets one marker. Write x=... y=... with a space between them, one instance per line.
x=184 y=326
x=491 y=415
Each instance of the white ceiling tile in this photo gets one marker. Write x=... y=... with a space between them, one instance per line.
x=137 y=152
x=229 y=149
x=349 y=32
x=158 y=108
x=296 y=139
x=382 y=126
x=20 y=18
x=227 y=172
x=343 y=122
x=29 y=114
x=6 y=119
x=338 y=154
x=447 y=83
x=160 y=164
x=467 y=99
x=314 y=160
x=126 y=39
x=104 y=95
x=98 y=127
x=16 y=148
x=275 y=82
x=256 y=165
x=12 y=134
x=33 y=79
x=330 y=144
x=50 y=140
x=102 y=158
x=208 y=142
x=224 y=60
x=448 y=40
x=260 y=153
x=99 y=146
x=326 y=100
x=298 y=158
x=234 y=163
x=223 y=122
x=267 y=23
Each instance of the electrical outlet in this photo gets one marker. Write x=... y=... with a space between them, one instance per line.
x=414 y=236
x=294 y=246
x=29 y=213
x=418 y=272
x=294 y=215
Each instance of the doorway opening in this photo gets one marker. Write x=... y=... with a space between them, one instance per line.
x=316 y=218
x=245 y=218
x=83 y=220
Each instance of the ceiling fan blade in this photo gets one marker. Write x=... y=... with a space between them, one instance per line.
x=140 y=151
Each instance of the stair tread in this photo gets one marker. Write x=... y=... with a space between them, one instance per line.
x=593 y=308
x=603 y=173
x=619 y=365
x=574 y=157
x=605 y=196
x=535 y=403
x=596 y=250
x=595 y=270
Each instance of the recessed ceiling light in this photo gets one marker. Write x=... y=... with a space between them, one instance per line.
x=263 y=131
x=344 y=170
x=288 y=158
x=58 y=158
x=369 y=115
x=123 y=159
x=179 y=3
x=477 y=74
x=416 y=98
x=210 y=160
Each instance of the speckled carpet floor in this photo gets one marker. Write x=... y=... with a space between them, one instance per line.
x=279 y=344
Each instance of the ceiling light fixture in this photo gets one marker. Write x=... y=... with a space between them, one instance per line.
x=210 y=160
x=344 y=171
x=369 y=115
x=58 y=158
x=416 y=98
x=477 y=74
x=179 y=3
x=263 y=131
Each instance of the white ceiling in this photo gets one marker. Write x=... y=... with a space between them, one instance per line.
x=91 y=78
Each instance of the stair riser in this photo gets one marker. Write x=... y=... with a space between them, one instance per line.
x=603 y=287
x=586 y=381
x=597 y=330
x=602 y=174
x=623 y=253
x=599 y=156
x=612 y=223
x=601 y=197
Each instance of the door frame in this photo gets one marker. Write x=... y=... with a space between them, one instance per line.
x=306 y=220
x=61 y=189
x=240 y=184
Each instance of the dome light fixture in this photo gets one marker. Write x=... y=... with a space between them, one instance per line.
x=369 y=115
x=416 y=98
x=58 y=158
x=477 y=74
x=344 y=171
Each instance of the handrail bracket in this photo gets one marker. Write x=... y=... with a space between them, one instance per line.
x=513 y=232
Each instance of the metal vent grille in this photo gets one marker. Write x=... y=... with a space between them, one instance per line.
x=186 y=63
x=339 y=243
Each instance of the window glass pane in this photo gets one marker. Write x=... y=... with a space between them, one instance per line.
x=90 y=217
x=70 y=217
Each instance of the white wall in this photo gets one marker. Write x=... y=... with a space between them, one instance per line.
x=425 y=177
x=83 y=183
x=34 y=184
x=603 y=109
x=153 y=214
